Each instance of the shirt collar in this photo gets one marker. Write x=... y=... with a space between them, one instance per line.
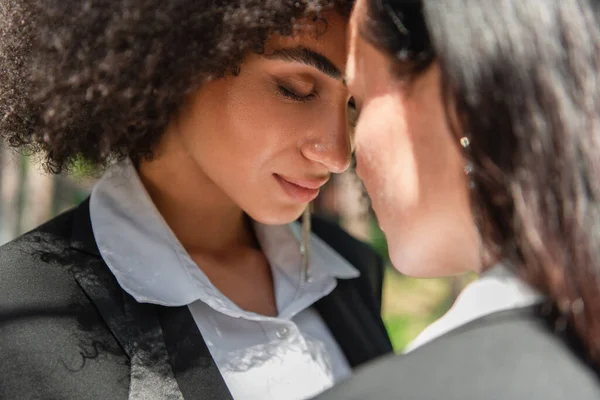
x=497 y=289
x=150 y=263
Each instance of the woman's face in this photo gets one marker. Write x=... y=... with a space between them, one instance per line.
x=411 y=163
x=271 y=136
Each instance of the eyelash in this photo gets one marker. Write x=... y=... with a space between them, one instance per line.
x=291 y=95
x=294 y=96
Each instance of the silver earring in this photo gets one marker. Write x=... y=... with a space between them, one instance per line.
x=305 y=245
x=465 y=143
x=469 y=169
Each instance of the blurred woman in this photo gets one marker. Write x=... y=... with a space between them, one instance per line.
x=479 y=143
x=185 y=274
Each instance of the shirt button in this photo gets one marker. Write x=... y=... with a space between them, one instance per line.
x=283 y=332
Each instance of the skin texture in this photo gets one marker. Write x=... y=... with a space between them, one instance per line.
x=411 y=163
x=224 y=154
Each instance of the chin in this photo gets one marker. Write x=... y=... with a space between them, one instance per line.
x=276 y=216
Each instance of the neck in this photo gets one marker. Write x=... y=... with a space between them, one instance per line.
x=201 y=215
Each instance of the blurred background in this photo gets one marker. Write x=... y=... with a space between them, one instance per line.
x=29 y=197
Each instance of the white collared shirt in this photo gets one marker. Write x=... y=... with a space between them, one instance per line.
x=291 y=356
x=497 y=289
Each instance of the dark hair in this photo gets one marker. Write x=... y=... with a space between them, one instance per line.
x=523 y=76
x=101 y=78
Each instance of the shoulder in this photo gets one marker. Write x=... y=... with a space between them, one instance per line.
x=53 y=342
x=506 y=357
x=30 y=262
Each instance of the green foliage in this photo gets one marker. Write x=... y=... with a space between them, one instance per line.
x=378 y=241
x=404 y=328
x=410 y=305
x=81 y=168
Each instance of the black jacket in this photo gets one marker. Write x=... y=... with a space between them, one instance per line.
x=509 y=355
x=68 y=331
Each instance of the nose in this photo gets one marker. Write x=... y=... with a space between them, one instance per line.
x=331 y=148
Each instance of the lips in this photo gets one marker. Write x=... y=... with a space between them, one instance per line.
x=314 y=183
x=302 y=190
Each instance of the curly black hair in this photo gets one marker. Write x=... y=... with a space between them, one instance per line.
x=96 y=79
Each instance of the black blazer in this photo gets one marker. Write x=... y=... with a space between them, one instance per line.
x=68 y=331
x=509 y=355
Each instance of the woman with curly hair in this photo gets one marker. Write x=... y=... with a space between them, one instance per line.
x=184 y=275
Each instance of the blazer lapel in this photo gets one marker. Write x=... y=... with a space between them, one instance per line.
x=195 y=370
x=169 y=358
x=351 y=311
x=359 y=333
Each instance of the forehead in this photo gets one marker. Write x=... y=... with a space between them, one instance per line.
x=328 y=37
x=354 y=41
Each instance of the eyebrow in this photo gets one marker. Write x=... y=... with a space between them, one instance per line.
x=308 y=57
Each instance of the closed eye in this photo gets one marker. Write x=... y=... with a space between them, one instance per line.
x=290 y=94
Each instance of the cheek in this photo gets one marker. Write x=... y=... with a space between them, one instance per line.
x=412 y=168
x=239 y=134
x=234 y=127
x=385 y=155
x=250 y=117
